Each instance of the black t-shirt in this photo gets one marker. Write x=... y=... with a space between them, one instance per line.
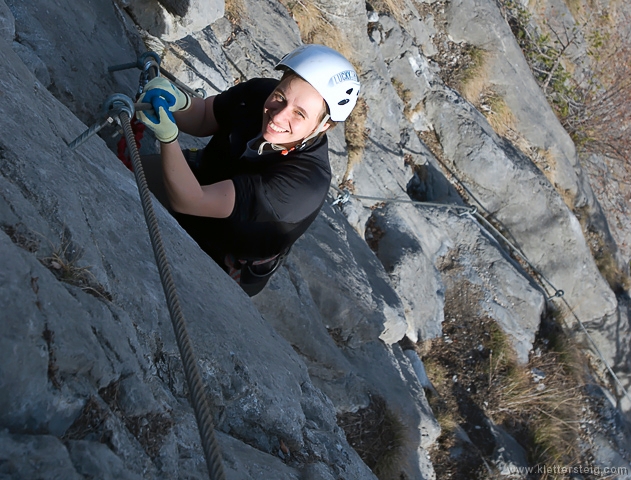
x=277 y=196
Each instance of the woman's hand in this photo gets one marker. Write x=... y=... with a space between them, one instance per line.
x=177 y=99
x=160 y=119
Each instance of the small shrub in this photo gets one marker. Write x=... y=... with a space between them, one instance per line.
x=594 y=103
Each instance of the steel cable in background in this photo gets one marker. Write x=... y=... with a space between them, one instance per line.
x=472 y=213
x=199 y=400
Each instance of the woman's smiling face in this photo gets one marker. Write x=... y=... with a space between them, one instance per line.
x=292 y=112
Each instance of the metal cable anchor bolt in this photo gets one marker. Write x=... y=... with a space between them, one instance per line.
x=343 y=198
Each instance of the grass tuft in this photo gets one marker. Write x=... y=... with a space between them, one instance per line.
x=356 y=134
x=64 y=263
x=315 y=26
x=477 y=378
x=377 y=435
x=235 y=11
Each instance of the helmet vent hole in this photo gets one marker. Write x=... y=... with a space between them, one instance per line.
x=349 y=91
x=343 y=102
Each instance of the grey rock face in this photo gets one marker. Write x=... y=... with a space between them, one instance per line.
x=360 y=300
x=481 y=24
x=411 y=270
x=432 y=240
x=59 y=44
x=87 y=357
x=37 y=456
x=7 y=23
x=508 y=456
x=504 y=182
x=174 y=19
x=319 y=305
x=87 y=323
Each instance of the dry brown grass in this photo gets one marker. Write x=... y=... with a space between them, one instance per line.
x=64 y=263
x=315 y=27
x=498 y=113
x=474 y=370
x=604 y=257
x=356 y=135
x=473 y=82
x=394 y=8
x=473 y=79
x=542 y=412
x=235 y=11
x=540 y=403
x=377 y=435
x=406 y=96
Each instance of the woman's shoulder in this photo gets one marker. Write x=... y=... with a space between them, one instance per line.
x=253 y=87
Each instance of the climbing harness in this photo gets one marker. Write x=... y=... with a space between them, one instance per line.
x=472 y=212
x=120 y=109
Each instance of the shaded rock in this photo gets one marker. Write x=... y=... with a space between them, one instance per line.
x=508 y=457
x=7 y=23
x=326 y=322
x=96 y=460
x=33 y=62
x=608 y=460
x=62 y=37
x=258 y=465
x=439 y=239
x=35 y=456
x=359 y=301
x=198 y=61
x=411 y=271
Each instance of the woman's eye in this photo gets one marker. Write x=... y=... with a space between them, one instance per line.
x=300 y=114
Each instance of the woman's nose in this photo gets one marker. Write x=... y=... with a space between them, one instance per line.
x=278 y=112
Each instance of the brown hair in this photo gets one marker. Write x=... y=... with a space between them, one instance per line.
x=325 y=111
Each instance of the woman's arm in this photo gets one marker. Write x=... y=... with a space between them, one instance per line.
x=199 y=119
x=186 y=194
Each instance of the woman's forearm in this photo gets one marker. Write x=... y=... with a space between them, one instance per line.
x=199 y=119
x=181 y=185
x=186 y=194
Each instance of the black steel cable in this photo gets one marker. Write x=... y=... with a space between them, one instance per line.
x=198 y=397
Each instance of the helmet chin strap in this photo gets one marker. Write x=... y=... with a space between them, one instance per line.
x=283 y=150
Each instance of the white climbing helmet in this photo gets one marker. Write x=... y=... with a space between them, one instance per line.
x=329 y=73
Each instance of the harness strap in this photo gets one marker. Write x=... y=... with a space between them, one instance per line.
x=236 y=265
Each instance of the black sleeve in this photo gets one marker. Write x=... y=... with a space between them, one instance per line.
x=251 y=95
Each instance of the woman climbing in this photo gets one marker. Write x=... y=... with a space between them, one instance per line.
x=263 y=177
